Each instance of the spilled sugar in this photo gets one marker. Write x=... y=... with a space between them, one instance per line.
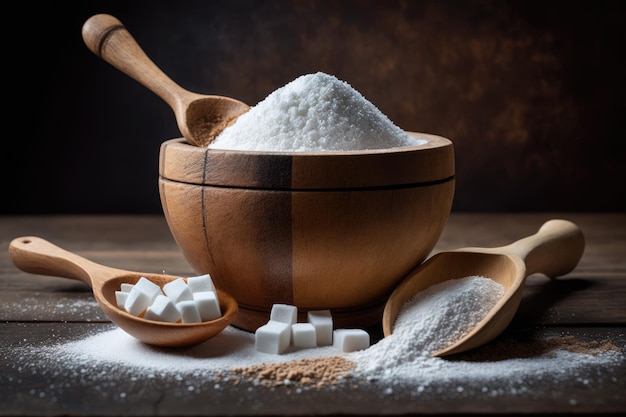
x=504 y=364
x=426 y=323
x=397 y=365
x=314 y=112
x=429 y=321
x=230 y=349
x=40 y=307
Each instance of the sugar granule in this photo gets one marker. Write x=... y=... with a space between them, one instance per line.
x=503 y=367
x=433 y=319
x=314 y=112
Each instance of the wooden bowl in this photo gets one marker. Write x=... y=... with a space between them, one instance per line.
x=318 y=230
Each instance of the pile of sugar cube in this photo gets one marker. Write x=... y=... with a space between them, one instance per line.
x=193 y=300
x=283 y=330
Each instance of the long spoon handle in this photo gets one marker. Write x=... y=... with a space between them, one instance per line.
x=38 y=256
x=554 y=250
x=109 y=39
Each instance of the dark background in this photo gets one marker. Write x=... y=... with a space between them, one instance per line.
x=530 y=92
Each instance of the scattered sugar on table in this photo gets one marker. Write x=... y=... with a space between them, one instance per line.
x=391 y=363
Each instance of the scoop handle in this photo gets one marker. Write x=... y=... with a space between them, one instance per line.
x=38 y=256
x=554 y=250
x=109 y=39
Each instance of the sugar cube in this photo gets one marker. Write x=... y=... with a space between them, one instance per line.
x=126 y=287
x=303 y=335
x=273 y=337
x=208 y=305
x=350 y=340
x=188 y=311
x=147 y=286
x=162 y=309
x=120 y=298
x=323 y=323
x=285 y=313
x=141 y=296
x=177 y=290
x=201 y=283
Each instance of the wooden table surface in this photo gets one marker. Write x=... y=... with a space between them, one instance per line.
x=589 y=303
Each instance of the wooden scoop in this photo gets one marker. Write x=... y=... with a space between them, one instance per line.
x=554 y=250
x=38 y=256
x=200 y=118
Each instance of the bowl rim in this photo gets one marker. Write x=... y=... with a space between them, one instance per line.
x=399 y=167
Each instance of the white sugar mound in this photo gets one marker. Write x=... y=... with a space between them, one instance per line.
x=314 y=112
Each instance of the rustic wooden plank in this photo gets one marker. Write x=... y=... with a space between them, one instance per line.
x=77 y=306
x=156 y=262
x=126 y=241
x=144 y=244
x=91 y=231
x=573 y=300
x=605 y=235
x=569 y=301
x=37 y=387
x=587 y=303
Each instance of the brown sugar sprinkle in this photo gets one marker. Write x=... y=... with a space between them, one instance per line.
x=501 y=350
x=570 y=343
x=317 y=372
x=326 y=372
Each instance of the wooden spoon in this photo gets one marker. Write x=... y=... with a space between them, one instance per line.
x=554 y=250
x=200 y=118
x=38 y=256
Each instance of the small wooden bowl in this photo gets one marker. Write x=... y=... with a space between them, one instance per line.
x=318 y=230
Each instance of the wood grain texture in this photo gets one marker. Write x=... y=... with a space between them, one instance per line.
x=554 y=250
x=38 y=256
x=200 y=118
x=36 y=388
x=588 y=304
x=426 y=164
x=321 y=230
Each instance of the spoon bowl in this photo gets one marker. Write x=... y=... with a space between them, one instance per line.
x=553 y=251
x=38 y=256
x=200 y=118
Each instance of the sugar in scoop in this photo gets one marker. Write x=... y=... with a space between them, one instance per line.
x=314 y=112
